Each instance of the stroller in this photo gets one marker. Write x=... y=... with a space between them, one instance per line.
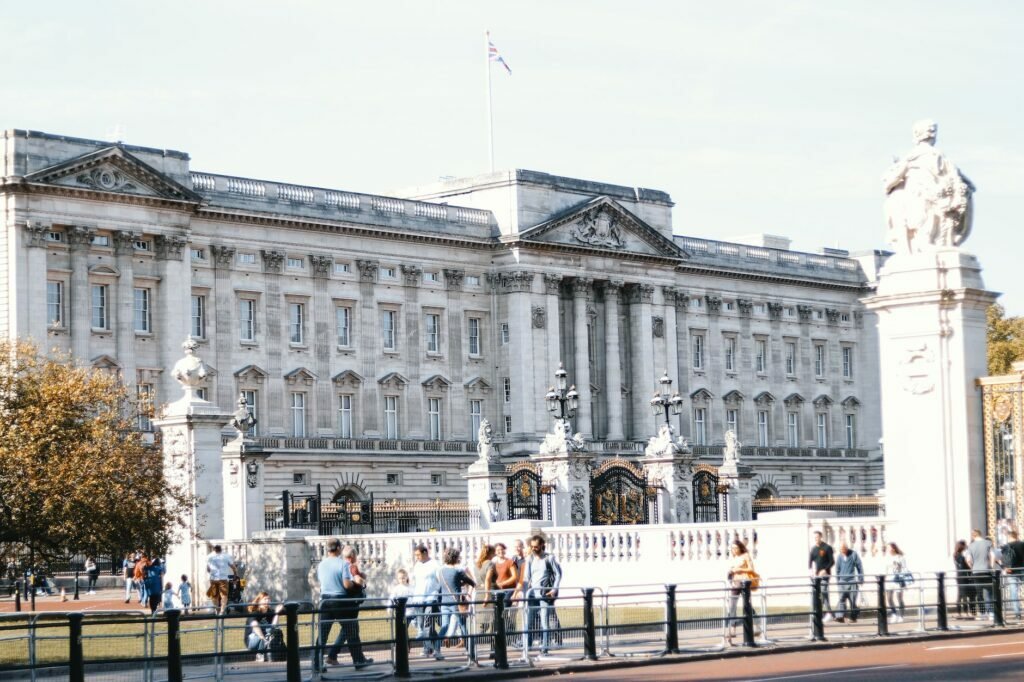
x=236 y=588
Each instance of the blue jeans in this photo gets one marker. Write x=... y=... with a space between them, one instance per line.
x=426 y=626
x=538 y=614
x=1013 y=584
x=452 y=622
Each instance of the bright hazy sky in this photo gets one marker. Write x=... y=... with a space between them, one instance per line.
x=772 y=117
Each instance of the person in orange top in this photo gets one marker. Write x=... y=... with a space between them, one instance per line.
x=506 y=573
x=141 y=563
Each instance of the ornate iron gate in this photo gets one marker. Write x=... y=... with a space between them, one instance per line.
x=524 y=493
x=619 y=495
x=705 y=497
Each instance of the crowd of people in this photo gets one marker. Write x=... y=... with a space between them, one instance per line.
x=144 y=578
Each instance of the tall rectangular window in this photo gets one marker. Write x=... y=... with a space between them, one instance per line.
x=851 y=431
x=847 y=362
x=343 y=325
x=504 y=333
x=199 y=317
x=506 y=389
x=700 y=433
x=822 y=429
x=391 y=416
x=793 y=429
x=760 y=356
x=732 y=421
x=247 y=319
x=762 y=428
x=388 y=323
x=100 y=316
x=474 y=336
x=143 y=319
x=433 y=329
x=144 y=398
x=698 y=351
x=434 y=418
x=508 y=424
x=819 y=360
x=790 y=358
x=296 y=323
x=55 y=304
x=345 y=416
x=250 y=407
x=298 y=409
x=730 y=354
x=476 y=412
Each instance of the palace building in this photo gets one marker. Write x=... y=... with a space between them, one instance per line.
x=370 y=335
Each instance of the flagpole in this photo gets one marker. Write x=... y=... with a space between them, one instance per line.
x=490 y=115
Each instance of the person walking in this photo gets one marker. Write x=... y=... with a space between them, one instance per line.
x=898 y=578
x=506 y=573
x=167 y=597
x=92 y=572
x=185 y=594
x=964 y=584
x=1013 y=567
x=543 y=577
x=452 y=579
x=849 y=578
x=341 y=595
x=139 y=575
x=821 y=561
x=483 y=595
x=426 y=600
x=981 y=559
x=220 y=566
x=154 y=584
x=128 y=572
x=740 y=571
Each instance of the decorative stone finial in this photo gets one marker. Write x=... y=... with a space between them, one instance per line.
x=242 y=420
x=190 y=371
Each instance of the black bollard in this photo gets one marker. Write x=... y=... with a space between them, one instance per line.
x=589 y=631
x=941 y=607
x=997 y=600
x=294 y=670
x=17 y=597
x=76 y=663
x=748 y=617
x=76 y=585
x=500 y=635
x=671 y=621
x=817 y=617
x=401 y=639
x=174 y=672
x=883 y=623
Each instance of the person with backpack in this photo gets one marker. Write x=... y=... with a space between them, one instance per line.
x=261 y=632
x=1013 y=566
x=541 y=581
x=154 y=584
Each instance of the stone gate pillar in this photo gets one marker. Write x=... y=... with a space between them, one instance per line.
x=243 y=471
x=486 y=476
x=668 y=466
x=565 y=467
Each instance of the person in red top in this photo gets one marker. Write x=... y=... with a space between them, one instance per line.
x=506 y=573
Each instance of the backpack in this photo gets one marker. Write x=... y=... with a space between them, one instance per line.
x=276 y=649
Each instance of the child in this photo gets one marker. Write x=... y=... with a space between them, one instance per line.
x=402 y=588
x=185 y=594
x=168 y=596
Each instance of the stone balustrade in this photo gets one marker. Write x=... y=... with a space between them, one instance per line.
x=709 y=248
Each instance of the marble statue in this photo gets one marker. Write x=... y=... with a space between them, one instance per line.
x=665 y=444
x=928 y=202
x=242 y=420
x=732 y=448
x=562 y=440
x=190 y=371
x=485 y=443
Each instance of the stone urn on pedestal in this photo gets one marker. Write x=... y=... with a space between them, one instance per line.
x=736 y=477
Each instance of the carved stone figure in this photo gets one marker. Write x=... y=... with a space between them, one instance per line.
x=658 y=327
x=233 y=473
x=928 y=202
x=665 y=444
x=600 y=229
x=577 y=443
x=485 y=443
x=682 y=505
x=252 y=473
x=242 y=420
x=556 y=442
x=580 y=468
x=732 y=448
x=578 y=507
x=190 y=371
x=176 y=445
x=540 y=316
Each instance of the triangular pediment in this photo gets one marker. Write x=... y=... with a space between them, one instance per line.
x=115 y=170
x=603 y=224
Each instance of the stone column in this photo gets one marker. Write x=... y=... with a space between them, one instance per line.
x=777 y=374
x=516 y=286
x=369 y=349
x=323 y=342
x=553 y=340
x=642 y=359
x=276 y=421
x=454 y=281
x=224 y=337
x=672 y=348
x=682 y=300
x=34 y=237
x=581 y=294
x=173 y=306
x=613 y=360
x=79 y=239
x=413 y=351
x=124 y=248
x=805 y=371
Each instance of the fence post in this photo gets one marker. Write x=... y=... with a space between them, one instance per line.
x=17 y=596
x=883 y=622
x=174 y=673
x=76 y=586
x=76 y=663
x=941 y=614
x=748 y=617
x=500 y=635
x=671 y=621
x=401 y=638
x=589 y=631
x=286 y=512
x=997 y=600
x=291 y=612
x=817 y=618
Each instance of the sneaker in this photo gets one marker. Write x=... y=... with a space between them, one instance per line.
x=260 y=658
x=827 y=619
x=438 y=657
x=365 y=663
x=840 y=619
x=332 y=660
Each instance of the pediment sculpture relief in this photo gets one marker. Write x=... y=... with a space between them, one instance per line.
x=599 y=229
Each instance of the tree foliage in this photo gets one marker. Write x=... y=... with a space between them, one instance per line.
x=75 y=477
x=1005 y=340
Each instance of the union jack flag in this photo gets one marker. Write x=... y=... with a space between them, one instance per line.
x=493 y=56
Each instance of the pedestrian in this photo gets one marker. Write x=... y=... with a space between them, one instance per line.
x=899 y=578
x=483 y=595
x=92 y=572
x=964 y=584
x=981 y=558
x=427 y=597
x=261 y=632
x=153 y=580
x=849 y=578
x=402 y=589
x=139 y=575
x=1013 y=566
x=506 y=573
x=341 y=594
x=543 y=577
x=168 y=596
x=220 y=566
x=185 y=594
x=453 y=600
x=128 y=571
x=741 y=570
x=821 y=561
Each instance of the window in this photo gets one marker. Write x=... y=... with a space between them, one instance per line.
x=729 y=305
x=822 y=429
x=298 y=408
x=299 y=478
x=851 y=431
x=100 y=240
x=434 y=418
x=54 y=236
x=732 y=421
x=345 y=416
x=847 y=362
x=199 y=254
x=142 y=314
x=202 y=393
x=698 y=351
x=819 y=360
x=696 y=303
x=472 y=280
x=394 y=479
x=343 y=325
x=844 y=317
x=199 y=317
x=431 y=277
x=700 y=434
x=433 y=326
x=508 y=424
x=342 y=268
x=476 y=410
x=790 y=358
x=247 y=319
x=296 y=263
x=436 y=479
x=55 y=304
x=760 y=309
x=730 y=354
x=250 y=407
x=793 y=429
x=100 y=318
x=144 y=398
x=388 y=322
x=506 y=388
x=852 y=479
x=826 y=479
x=819 y=314
x=762 y=428
x=796 y=479
x=246 y=258
x=391 y=416
x=761 y=355
x=388 y=273
x=788 y=311
x=474 y=336
x=296 y=323
x=504 y=333
x=141 y=245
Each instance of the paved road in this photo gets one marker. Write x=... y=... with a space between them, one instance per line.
x=996 y=657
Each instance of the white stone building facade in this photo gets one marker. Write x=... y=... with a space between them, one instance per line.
x=371 y=334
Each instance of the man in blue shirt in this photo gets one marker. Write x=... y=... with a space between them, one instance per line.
x=543 y=576
x=849 y=577
x=342 y=590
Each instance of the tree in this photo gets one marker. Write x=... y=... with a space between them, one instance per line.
x=75 y=476
x=1005 y=340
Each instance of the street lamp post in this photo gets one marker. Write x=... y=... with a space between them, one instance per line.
x=665 y=402
x=562 y=404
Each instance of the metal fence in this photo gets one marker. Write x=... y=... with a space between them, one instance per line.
x=375 y=637
x=844 y=507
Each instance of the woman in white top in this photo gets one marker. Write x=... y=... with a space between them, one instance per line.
x=741 y=570
x=896 y=581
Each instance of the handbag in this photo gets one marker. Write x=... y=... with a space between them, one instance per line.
x=461 y=599
x=904 y=578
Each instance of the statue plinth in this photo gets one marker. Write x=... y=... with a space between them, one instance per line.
x=243 y=464
x=668 y=466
